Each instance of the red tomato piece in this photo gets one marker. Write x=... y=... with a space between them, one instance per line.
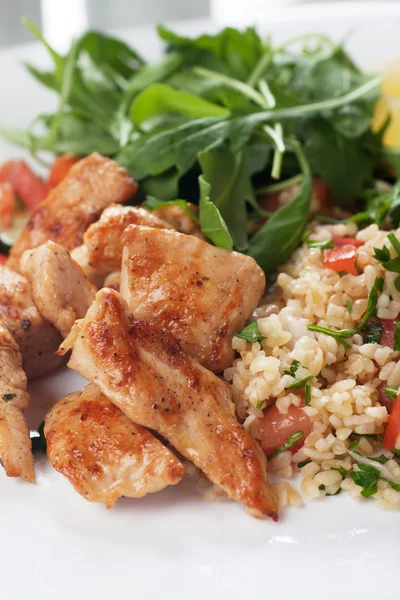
x=7 y=199
x=26 y=184
x=387 y=337
x=392 y=430
x=3 y=259
x=341 y=259
x=60 y=168
x=344 y=241
x=276 y=428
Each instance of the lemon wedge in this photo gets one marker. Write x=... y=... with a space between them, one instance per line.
x=389 y=103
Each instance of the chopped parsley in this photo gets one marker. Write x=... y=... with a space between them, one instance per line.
x=372 y=331
x=382 y=459
x=8 y=397
x=367 y=477
x=369 y=313
x=308 y=394
x=291 y=441
x=382 y=255
x=349 y=305
x=391 y=392
x=321 y=487
x=250 y=333
x=260 y=404
x=303 y=463
x=341 y=470
x=396 y=340
x=293 y=368
x=325 y=245
x=300 y=383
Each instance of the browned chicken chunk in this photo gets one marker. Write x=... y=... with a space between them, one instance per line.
x=143 y=370
x=102 y=453
x=15 y=443
x=102 y=241
x=179 y=219
x=63 y=217
x=37 y=338
x=61 y=291
x=201 y=294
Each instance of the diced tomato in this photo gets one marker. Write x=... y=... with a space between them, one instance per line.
x=7 y=199
x=342 y=258
x=388 y=330
x=276 y=428
x=3 y=259
x=383 y=398
x=26 y=184
x=344 y=241
x=61 y=165
x=392 y=430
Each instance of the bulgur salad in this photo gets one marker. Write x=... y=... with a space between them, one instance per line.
x=216 y=248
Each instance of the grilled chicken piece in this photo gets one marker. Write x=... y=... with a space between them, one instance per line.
x=103 y=239
x=179 y=219
x=63 y=217
x=143 y=370
x=37 y=339
x=15 y=443
x=61 y=291
x=201 y=294
x=102 y=453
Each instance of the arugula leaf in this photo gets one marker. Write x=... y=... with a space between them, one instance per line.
x=277 y=239
x=211 y=222
x=332 y=157
x=291 y=441
x=152 y=203
x=250 y=333
x=367 y=477
x=372 y=331
x=161 y=99
x=231 y=188
x=300 y=383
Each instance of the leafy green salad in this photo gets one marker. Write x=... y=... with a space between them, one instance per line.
x=221 y=121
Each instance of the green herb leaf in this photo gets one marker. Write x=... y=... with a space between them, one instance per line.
x=250 y=333
x=160 y=99
x=321 y=487
x=300 y=383
x=381 y=459
x=372 y=331
x=396 y=342
x=321 y=245
x=353 y=445
x=291 y=441
x=308 y=395
x=367 y=477
x=211 y=222
x=277 y=239
x=391 y=392
x=260 y=404
x=303 y=463
x=341 y=470
x=293 y=368
x=8 y=397
x=381 y=254
x=349 y=305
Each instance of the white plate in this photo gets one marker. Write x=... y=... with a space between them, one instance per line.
x=55 y=545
